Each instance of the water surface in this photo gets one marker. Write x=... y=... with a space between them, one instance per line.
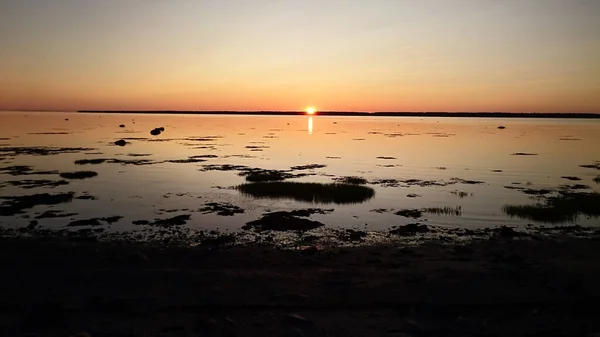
x=449 y=154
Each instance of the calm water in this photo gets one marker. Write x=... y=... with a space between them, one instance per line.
x=432 y=149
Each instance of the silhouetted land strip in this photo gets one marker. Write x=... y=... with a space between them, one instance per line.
x=371 y=114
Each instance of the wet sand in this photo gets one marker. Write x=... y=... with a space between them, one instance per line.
x=538 y=286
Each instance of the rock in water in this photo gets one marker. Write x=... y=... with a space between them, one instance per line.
x=501 y=127
x=122 y=125
x=155 y=132
x=120 y=142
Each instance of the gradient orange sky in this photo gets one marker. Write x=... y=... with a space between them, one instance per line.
x=351 y=55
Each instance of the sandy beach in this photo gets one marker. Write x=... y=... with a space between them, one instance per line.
x=538 y=286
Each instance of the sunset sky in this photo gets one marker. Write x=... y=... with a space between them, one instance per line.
x=351 y=55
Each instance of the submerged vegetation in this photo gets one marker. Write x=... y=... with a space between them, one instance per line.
x=417 y=213
x=456 y=211
x=309 y=192
x=562 y=208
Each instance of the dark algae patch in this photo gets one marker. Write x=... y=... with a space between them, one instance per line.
x=591 y=166
x=351 y=180
x=90 y=161
x=55 y=214
x=186 y=161
x=309 y=192
x=267 y=175
x=286 y=221
x=386 y=158
x=571 y=178
x=29 y=184
x=565 y=207
x=78 y=175
x=23 y=170
x=461 y=194
x=423 y=183
x=221 y=208
x=16 y=205
x=308 y=167
x=95 y=221
x=524 y=154
x=178 y=220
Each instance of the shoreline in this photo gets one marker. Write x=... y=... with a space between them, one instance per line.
x=369 y=114
x=498 y=286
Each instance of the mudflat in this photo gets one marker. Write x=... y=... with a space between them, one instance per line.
x=536 y=286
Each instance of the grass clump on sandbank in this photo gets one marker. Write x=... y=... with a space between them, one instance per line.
x=309 y=192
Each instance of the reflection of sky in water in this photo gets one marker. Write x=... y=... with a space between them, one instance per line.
x=428 y=149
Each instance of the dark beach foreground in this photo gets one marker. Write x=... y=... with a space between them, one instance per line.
x=537 y=286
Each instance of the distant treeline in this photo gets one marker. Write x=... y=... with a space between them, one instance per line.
x=371 y=114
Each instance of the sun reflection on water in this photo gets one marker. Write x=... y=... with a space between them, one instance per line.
x=310 y=125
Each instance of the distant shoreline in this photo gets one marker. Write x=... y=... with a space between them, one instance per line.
x=370 y=114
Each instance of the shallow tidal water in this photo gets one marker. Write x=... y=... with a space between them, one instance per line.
x=467 y=165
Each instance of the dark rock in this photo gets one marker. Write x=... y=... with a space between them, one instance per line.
x=410 y=229
x=121 y=142
x=410 y=213
x=506 y=232
x=122 y=125
x=501 y=127
x=156 y=131
x=353 y=235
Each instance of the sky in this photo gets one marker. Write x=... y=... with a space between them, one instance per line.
x=335 y=55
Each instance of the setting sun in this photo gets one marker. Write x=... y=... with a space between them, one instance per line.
x=310 y=110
